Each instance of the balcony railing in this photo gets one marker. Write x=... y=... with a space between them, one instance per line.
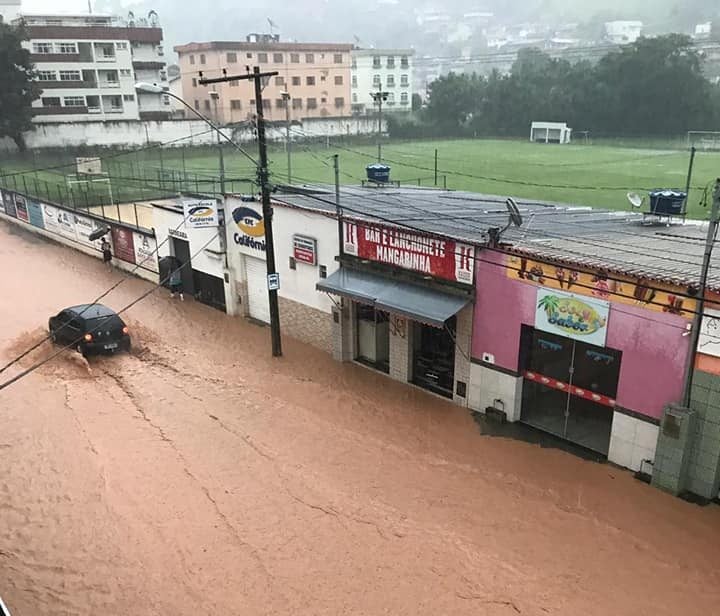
x=48 y=111
x=74 y=85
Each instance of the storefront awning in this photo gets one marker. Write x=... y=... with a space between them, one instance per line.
x=402 y=298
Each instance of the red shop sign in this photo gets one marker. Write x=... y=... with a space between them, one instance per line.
x=305 y=249
x=123 y=244
x=441 y=258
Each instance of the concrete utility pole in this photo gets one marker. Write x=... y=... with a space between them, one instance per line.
x=378 y=97
x=216 y=99
x=263 y=179
x=286 y=98
x=700 y=305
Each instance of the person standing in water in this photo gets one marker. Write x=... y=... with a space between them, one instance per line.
x=106 y=252
x=176 y=284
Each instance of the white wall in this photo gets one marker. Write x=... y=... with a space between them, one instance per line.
x=130 y=133
x=632 y=441
x=299 y=284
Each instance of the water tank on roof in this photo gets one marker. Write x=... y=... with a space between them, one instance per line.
x=668 y=202
x=377 y=172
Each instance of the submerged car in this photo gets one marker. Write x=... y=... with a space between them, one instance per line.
x=90 y=329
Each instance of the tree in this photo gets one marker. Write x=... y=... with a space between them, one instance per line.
x=416 y=102
x=451 y=101
x=18 y=88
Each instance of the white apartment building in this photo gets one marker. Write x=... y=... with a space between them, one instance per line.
x=386 y=70
x=623 y=32
x=88 y=65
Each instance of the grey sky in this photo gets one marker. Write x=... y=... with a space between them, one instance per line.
x=55 y=6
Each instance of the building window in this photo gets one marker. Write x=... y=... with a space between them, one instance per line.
x=296 y=81
x=376 y=81
x=234 y=83
x=194 y=82
x=70 y=76
x=163 y=75
x=231 y=58
x=292 y=264
x=323 y=100
x=278 y=58
x=121 y=46
x=252 y=102
x=391 y=98
x=67 y=48
x=207 y=105
x=192 y=59
x=338 y=80
x=197 y=105
x=262 y=57
x=51 y=101
x=74 y=101
x=42 y=48
x=295 y=58
x=403 y=98
x=166 y=100
x=404 y=80
x=266 y=103
x=125 y=72
x=337 y=58
x=46 y=76
x=235 y=104
x=280 y=103
x=404 y=62
x=353 y=64
x=312 y=103
x=279 y=81
x=202 y=58
x=322 y=78
x=339 y=102
x=355 y=98
x=129 y=98
x=391 y=81
x=309 y=58
x=376 y=62
x=354 y=81
x=160 y=50
x=297 y=103
x=391 y=62
x=310 y=81
x=248 y=56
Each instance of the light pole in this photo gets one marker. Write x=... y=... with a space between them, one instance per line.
x=379 y=97
x=215 y=95
x=286 y=97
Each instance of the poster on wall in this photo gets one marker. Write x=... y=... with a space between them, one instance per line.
x=123 y=244
x=66 y=224
x=572 y=316
x=201 y=213
x=36 y=214
x=9 y=204
x=145 y=251
x=84 y=227
x=431 y=256
x=620 y=289
x=709 y=342
x=50 y=218
x=21 y=208
x=249 y=229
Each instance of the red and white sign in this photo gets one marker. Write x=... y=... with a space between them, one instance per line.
x=571 y=389
x=441 y=258
x=305 y=249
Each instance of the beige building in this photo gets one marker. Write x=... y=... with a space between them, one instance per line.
x=315 y=75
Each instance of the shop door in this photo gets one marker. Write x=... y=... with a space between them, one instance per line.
x=569 y=388
x=181 y=250
x=258 y=303
x=372 y=337
x=434 y=357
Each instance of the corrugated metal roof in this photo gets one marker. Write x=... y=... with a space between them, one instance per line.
x=621 y=242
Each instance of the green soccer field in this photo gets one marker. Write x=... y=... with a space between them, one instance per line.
x=598 y=175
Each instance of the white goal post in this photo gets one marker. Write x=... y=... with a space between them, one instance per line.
x=704 y=140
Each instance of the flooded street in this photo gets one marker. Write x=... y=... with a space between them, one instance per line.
x=199 y=476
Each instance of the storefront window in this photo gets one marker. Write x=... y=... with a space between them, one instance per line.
x=434 y=357
x=372 y=337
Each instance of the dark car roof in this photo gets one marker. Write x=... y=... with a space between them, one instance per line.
x=92 y=311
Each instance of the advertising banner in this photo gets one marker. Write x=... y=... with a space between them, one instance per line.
x=249 y=232
x=201 y=213
x=572 y=316
x=709 y=342
x=145 y=251
x=36 y=214
x=84 y=227
x=21 y=208
x=9 y=204
x=50 y=218
x=123 y=244
x=431 y=256
x=66 y=224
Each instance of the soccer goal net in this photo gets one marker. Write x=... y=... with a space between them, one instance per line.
x=704 y=140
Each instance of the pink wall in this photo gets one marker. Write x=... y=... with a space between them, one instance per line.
x=654 y=350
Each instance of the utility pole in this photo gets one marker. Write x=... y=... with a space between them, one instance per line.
x=338 y=209
x=221 y=157
x=378 y=97
x=286 y=98
x=689 y=177
x=700 y=304
x=263 y=177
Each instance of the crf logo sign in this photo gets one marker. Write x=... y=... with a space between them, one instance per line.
x=464 y=259
x=351 y=239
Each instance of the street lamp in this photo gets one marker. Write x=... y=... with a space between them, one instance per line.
x=286 y=97
x=379 y=97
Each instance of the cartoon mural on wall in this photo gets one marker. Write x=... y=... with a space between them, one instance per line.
x=609 y=287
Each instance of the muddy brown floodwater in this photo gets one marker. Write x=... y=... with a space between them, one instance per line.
x=198 y=476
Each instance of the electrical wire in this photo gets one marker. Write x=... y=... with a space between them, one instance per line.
x=154 y=288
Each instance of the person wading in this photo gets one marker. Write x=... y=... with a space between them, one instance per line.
x=176 y=284
x=106 y=252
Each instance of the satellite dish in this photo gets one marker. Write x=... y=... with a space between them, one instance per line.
x=514 y=211
x=635 y=199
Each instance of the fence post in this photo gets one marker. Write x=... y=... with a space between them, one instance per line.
x=436 y=166
x=445 y=182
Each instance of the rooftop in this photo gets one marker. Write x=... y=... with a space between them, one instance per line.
x=253 y=46
x=616 y=242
